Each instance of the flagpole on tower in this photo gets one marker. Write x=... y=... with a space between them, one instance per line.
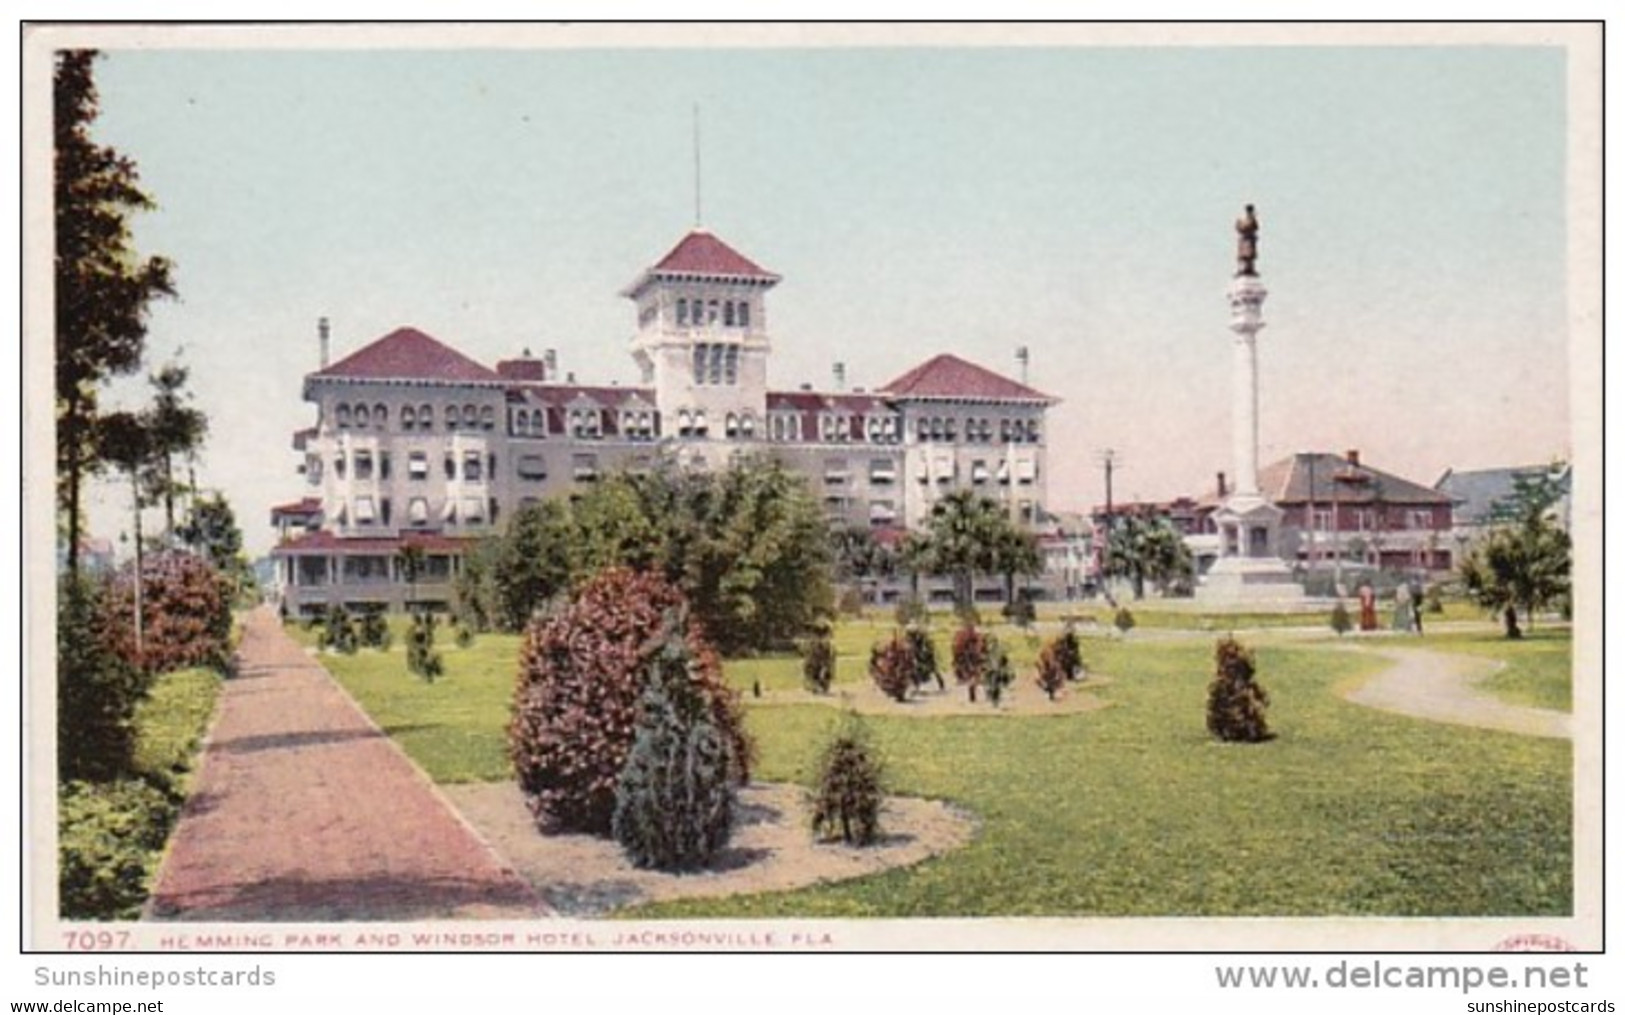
x=698 y=216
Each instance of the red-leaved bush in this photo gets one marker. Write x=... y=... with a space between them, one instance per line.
x=891 y=666
x=185 y=613
x=582 y=668
x=970 y=657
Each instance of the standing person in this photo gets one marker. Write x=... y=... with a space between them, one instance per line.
x=1368 y=608
x=1404 y=616
x=1417 y=604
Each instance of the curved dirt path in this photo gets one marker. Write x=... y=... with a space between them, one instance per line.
x=1441 y=687
x=303 y=809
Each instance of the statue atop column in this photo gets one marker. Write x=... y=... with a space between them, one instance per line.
x=1247 y=244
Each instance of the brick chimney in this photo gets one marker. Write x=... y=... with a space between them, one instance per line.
x=1353 y=455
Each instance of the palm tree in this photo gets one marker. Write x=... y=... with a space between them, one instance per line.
x=966 y=532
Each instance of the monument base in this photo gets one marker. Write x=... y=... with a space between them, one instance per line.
x=1262 y=580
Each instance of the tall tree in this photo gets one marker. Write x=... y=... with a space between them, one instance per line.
x=124 y=439
x=1524 y=565
x=103 y=288
x=177 y=431
x=1148 y=549
x=967 y=533
x=211 y=530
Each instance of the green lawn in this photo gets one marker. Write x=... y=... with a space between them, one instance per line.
x=1130 y=810
x=1538 y=671
x=171 y=723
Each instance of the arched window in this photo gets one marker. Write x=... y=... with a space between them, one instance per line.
x=521 y=421
x=701 y=427
x=731 y=426
x=470 y=417
x=425 y=417
x=936 y=428
x=747 y=426
x=380 y=416
x=409 y=417
x=361 y=417
x=488 y=418
x=341 y=417
x=451 y=417
x=685 y=423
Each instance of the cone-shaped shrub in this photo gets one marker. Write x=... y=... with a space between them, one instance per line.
x=846 y=803
x=998 y=674
x=1342 y=623
x=1235 y=702
x=582 y=670
x=185 y=613
x=421 y=658
x=338 y=632
x=891 y=667
x=970 y=657
x=97 y=689
x=674 y=801
x=818 y=665
x=1069 y=652
x=922 y=655
x=1123 y=620
x=1051 y=673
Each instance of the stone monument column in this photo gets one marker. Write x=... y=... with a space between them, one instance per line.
x=1246 y=320
x=1249 y=568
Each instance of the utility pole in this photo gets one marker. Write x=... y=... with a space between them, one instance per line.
x=1108 y=461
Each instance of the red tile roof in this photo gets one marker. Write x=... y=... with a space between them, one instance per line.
x=299 y=508
x=948 y=376
x=327 y=542
x=408 y=354
x=1334 y=478
x=701 y=253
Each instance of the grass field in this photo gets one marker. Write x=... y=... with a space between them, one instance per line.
x=1133 y=809
x=1538 y=667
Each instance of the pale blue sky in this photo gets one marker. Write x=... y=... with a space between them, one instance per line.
x=1078 y=201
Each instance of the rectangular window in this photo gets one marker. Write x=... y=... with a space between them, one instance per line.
x=713 y=374
x=978 y=472
x=417 y=465
x=417 y=511
x=338 y=466
x=473 y=510
x=744 y=315
x=882 y=470
x=945 y=469
x=1323 y=520
x=363 y=511
x=1026 y=471
x=700 y=358
x=835 y=473
x=363 y=465
x=472 y=466
x=532 y=467
x=584 y=468
x=383 y=465
x=1421 y=519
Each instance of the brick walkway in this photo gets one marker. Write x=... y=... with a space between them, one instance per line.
x=303 y=810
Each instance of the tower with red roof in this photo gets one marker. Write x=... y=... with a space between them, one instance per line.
x=702 y=343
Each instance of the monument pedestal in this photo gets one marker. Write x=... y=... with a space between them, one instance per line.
x=1249 y=569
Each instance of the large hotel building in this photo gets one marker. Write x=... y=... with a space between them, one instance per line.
x=415 y=443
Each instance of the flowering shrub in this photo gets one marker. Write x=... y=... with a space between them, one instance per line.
x=970 y=657
x=185 y=613
x=583 y=667
x=891 y=667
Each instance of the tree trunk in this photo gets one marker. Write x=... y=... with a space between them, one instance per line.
x=1510 y=618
